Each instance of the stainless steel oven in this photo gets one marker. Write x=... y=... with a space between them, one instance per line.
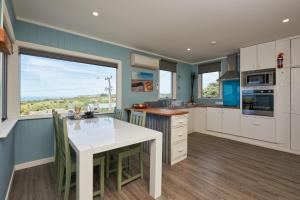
x=260 y=78
x=258 y=102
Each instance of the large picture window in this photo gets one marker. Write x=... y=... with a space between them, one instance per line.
x=48 y=83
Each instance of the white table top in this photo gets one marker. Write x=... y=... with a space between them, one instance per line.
x=106 y=133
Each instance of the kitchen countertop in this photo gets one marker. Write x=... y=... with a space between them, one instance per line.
x=162 y=111
x=218 y=106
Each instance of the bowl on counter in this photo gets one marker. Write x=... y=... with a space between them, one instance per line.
x=140 y=106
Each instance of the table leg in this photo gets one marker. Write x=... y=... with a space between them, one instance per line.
x=84 y=175
x=155 y=167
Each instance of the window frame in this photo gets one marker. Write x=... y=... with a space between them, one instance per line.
x=200 y=89
x=173 y=85
x=4 y=86
x=80 y=55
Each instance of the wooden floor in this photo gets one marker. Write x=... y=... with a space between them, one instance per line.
x=215 y=169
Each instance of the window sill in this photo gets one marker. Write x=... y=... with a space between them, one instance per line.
x=50 y=116
x=7 y=126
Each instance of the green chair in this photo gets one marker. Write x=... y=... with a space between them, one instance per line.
x=137 y=118
x=118 y=114
x=57 y=145
x=68 y=162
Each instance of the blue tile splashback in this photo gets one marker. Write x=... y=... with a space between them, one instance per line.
x=231 y=93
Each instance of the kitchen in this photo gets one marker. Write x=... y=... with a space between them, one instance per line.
x=109 y=99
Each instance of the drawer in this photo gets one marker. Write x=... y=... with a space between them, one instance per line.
x=179 y=150
x=259 y=128
x=178 y=133
x=179 y=120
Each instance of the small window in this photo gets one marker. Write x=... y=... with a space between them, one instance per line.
x=4 y=86
x=165 y=84
x=210 y=86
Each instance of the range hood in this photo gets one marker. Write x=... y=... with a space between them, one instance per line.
x=232 y=73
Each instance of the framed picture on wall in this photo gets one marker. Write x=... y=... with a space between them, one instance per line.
x=141 y=82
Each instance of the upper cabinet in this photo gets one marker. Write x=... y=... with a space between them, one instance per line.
x=262 y=56
x=248 y=58
x=295 y=52
x=266 y=55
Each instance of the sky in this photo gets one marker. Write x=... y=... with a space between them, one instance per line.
x=208 y=78
x=165 y=85
x=51 y=78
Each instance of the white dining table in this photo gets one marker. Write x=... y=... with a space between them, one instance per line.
x=101 y=134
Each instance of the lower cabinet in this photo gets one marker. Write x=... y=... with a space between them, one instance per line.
x=200 y=119
x=224 y=120
x=214 y=119
x=179 y=130
x=259 y=128
x=295 y=132
x=231 y=121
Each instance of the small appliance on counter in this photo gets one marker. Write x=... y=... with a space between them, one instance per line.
x=140 y=106
x=88 y=114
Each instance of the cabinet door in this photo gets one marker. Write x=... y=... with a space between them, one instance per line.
x=231 y=121
x=284 y=46
x=201 y=120
x=266 y=55
x=295 y=133
x=259 y=128
x=248 y=58
x=295 y=91
x=191 y=120
x=214 y=119
x=283 y=82
x=295 y=52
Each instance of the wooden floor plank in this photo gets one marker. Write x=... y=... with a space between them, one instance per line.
x=216 y=169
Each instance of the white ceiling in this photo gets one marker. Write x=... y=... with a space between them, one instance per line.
x=169 y=27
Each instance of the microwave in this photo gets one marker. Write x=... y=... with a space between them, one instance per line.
x=260 y=79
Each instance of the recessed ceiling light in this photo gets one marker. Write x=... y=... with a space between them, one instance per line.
x=95 y=14
x=213 y=42
x=188 y=49
x=286 y=20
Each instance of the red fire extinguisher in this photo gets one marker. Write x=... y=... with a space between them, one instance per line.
x=280 y=60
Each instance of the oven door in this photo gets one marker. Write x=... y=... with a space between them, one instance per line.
x=256 y=79
x=258 y=102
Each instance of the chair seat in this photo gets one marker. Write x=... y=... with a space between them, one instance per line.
x=96 y=161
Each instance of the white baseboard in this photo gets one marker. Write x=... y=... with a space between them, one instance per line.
x=252 y=142
x=10 y=182
x=34 y=163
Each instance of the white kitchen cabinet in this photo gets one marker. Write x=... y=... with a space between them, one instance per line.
x=191 y=120
x=259 y=128
x=266 y=55
x=295 y=52
x=284 y=46
x=248 y=58
x=295 y=130
x=295 y=91
x=178 y=146
x=283 y=92
x=231 y=121
x=214 y=119
x=200 y=119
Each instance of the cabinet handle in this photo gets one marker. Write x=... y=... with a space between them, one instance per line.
x=180 y=150
x=180 y=134
x=256 y=124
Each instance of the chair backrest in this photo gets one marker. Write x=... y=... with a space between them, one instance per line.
x=64 y=140
x=118 y=114
x=138 y=118
x=55 y=125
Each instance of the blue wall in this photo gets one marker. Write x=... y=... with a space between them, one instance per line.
x=34 y=140
x=6 y=162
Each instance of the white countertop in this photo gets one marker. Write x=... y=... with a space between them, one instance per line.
x=106 y=133
x=6 y=127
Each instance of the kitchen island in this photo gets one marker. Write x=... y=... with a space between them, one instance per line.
x=173 y=124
